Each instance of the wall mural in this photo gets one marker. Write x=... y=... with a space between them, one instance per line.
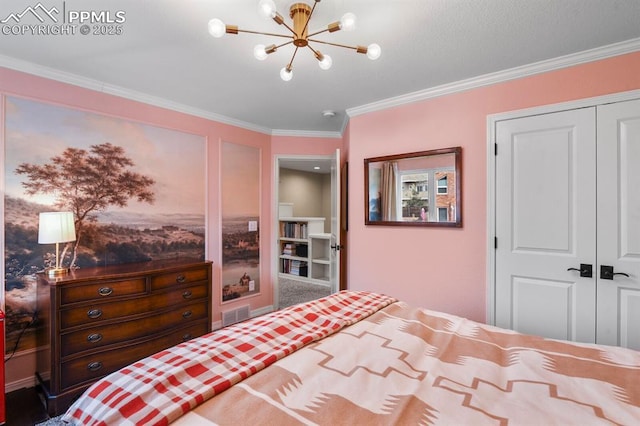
x=137 y=193
x=240 y=182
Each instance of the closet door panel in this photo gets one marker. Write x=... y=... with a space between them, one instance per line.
x=619 y=223
x=630 y=312
x=545 y=216
x=558 y=299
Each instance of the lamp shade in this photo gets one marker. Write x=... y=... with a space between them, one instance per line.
x=56 y=227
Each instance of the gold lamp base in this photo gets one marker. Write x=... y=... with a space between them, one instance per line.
x=56 y=272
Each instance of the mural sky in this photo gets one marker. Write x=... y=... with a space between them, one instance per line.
x=154 y=150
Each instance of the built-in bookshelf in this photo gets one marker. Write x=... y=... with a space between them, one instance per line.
x=304 y=249
x=320 y=258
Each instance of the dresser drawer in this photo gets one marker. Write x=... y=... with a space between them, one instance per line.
x=99 y=336
x=179 y=277
x=91 y=367
x=94 y=313
x=102 y=290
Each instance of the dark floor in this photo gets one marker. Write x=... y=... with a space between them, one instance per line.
x=25 y=408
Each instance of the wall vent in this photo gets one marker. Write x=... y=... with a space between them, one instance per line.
x=236 y=315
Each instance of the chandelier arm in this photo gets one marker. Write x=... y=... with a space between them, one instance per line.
x=334 y=44
x=318 y=32
x=293 y=57
x=306 y=24
x=284 y=44
x=332 y=28
x=263 y=33
x=289 y=28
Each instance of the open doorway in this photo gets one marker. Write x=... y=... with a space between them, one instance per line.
x=305 y=223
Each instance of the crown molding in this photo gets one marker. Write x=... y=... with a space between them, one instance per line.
x=98 y=86
x=591 y=55
x=307 y=133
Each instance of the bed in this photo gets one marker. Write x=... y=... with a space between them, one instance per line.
x=366 y=358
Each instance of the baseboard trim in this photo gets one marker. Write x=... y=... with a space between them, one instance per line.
x=262 y=311
x=27 y=382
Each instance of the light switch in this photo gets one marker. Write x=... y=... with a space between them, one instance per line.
x=253 y=225
x=252 y=285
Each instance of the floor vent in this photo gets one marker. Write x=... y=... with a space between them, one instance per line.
x=236 y=315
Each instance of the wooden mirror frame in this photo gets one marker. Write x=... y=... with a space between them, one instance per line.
x=457 y=168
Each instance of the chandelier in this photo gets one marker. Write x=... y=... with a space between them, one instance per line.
x=300 y=14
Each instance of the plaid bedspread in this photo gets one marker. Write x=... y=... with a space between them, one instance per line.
x=159 y=389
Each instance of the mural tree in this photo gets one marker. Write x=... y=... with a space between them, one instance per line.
x=87 y=182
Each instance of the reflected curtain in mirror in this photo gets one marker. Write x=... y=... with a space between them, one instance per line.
x=388 y=193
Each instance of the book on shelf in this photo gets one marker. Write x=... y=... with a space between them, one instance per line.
x=293 y=230
x=288 y=249
x=295 y=267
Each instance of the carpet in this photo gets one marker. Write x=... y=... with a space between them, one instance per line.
x=56 y=421
x=292 y=292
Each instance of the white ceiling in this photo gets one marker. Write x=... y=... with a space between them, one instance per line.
x=165 y=55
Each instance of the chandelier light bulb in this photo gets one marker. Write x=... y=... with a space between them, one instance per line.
x=286 y=74
x=326 y=62
x=260 y=52
x=373 y=51
x=348 y=21
x=267 y=8
x=217 y=28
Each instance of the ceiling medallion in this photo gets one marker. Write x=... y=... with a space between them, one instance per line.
x=300 y=13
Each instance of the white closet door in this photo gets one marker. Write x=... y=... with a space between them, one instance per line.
x=545 y=224
x=618 y=308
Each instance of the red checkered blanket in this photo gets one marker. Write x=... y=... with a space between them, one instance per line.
x=159 y=389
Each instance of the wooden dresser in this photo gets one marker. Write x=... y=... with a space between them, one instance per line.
x=94 y=321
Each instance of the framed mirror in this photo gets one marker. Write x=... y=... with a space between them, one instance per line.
x=415 y=189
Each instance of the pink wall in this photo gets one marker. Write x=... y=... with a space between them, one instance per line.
x=13 y=83
x=288 y=145
x=445 y=269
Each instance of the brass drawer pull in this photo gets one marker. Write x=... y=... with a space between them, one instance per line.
x=94 y=338
x=186 y=336
x=181 y=278
x=186 y=314
x=94 y=366
x=105 y=291
x=94 y=313
x=187 y=294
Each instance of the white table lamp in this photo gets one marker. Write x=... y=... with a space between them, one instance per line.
x=56 y=227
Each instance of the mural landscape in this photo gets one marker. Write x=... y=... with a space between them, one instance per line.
x=137 y=193
x=240 y=173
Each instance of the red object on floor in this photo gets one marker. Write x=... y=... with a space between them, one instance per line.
x=2 y=408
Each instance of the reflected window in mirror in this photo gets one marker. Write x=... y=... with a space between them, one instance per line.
x=415 y=189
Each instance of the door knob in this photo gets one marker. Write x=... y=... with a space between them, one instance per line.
x=606 y=272
x=586 y=270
